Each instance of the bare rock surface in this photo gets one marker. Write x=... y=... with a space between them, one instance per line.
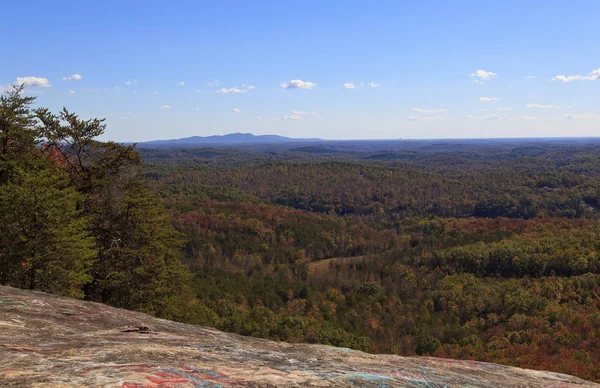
x=48 y=341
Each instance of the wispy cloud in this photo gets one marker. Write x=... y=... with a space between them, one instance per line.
x=33 y=82
x=348 y=85
x=236 y=110
x=483 y=75
x=302 y=113
x=156 y=92
x=539 y=106
x=165 y=107
x=258 y=118
x=374 y=85
x=129 y=82
x=298 y=84
x=181 y=83
x=422 y=118
x=419 y=110
x=493 y=116
x=594 y=75
x=71 y=92
x=531 y=77
x=214 y=83
x=579 y=116
x=74 y=77
x=292 y=117
x=488 y=99
x=504 y=109
x=231 y=90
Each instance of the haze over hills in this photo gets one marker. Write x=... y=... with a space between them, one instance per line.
x=249 y=140
x=228 y=139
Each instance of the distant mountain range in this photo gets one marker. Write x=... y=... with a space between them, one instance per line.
x=229 y=139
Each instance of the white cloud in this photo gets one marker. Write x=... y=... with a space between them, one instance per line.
x=302 y=113
x=181 y=83
x=420 y=118
x=483 y=75
x=236 y=110
x=419 y=110
x=33 y=82
x=298 y=84
x=128 y=113
x=348 y=85
x=165 y=107
x=579 y=116
x=258 y=118
x=231 y=90
x=197 y=109
x=74 y=77
x=251 y=87
x=594 y=75
x=198 y=90
x=292 y=117
x=526 y=118
x=487 y=99
x=531 y=77
x=504 y=109
x=493 y=117
x=497 y=117
x=71 y=92
x=273 y=119
x=134 y=82
x=124 y=118
x=374 y=85
x=538 y=106
x=156 y=92
x=214 y=83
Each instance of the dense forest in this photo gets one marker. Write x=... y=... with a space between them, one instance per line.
x=485 y=251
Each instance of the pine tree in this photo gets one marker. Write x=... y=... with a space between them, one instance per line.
x=43 y=235
x=138 y=266
x=18 y=132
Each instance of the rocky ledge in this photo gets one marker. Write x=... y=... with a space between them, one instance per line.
x=48 y=341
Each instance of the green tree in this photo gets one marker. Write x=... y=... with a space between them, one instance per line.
x=138 y=266
x=18 y=132
x=43 y=234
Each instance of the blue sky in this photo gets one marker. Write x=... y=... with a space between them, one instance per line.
x=329 y=69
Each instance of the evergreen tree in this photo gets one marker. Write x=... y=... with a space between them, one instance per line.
x=18 y=132
x=43 y=235
x=138 y=266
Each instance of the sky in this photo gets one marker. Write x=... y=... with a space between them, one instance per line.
x=328 y=69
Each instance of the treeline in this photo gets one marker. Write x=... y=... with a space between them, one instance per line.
x=351 y=188
x=76 y=218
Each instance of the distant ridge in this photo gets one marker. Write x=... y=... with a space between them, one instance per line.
x=229 y=139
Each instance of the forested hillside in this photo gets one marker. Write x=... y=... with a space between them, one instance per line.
x=469 y=251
